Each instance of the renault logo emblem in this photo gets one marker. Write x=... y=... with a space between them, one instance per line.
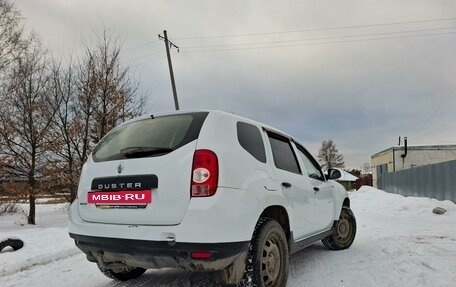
x=120 y=168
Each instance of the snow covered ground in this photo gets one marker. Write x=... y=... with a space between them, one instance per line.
x=400 y=242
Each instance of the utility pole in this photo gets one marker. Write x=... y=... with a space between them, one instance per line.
x=169 y=44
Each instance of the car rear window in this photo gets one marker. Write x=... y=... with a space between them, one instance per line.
x=160 y=135
x=249 y=137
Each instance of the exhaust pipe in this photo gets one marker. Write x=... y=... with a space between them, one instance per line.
x=405 y=148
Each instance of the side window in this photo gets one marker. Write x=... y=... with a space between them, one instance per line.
x=312 y=169
x=283 y=154
x=249 y=137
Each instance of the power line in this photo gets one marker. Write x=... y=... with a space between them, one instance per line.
x=321 y=43
x=155 y=52
x=298 y=40
x=150 y=43
x=317 y=39
x=173 y=52
x=284 y=46
x=151 y=60
x=317 y=29
x=155 y=42
x=442 y=102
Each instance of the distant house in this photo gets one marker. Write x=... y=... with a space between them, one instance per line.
x=347 y=180
x=405 y=157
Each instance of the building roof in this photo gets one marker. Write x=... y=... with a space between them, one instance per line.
x=418 y=147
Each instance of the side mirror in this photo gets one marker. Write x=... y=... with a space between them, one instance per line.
x=334 y=174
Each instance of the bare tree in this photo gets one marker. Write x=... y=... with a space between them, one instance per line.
x=64 y=137
x=52 y=116
x=86 y=82
x=25 y=118
x=329 y=156
x=366 y=168
x=116 y=98
x=12 y=41
x=90 y=98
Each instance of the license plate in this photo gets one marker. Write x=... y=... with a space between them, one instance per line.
x=124 y=197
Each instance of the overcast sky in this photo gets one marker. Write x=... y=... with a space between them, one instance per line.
x=361 y=73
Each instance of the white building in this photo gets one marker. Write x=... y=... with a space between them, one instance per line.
x=402 y=157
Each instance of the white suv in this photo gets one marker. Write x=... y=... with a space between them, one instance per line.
x=205 y=191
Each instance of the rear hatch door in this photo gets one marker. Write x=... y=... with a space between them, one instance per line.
x=140 y=172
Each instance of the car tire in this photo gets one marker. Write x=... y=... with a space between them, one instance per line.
x=344 y=232
x=14 y=243
x=122 y=275
x=267 y=260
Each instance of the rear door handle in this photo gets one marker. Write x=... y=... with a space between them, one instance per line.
x=286 y=184
x=316 y=189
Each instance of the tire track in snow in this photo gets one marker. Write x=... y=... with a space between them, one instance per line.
x=32 y=264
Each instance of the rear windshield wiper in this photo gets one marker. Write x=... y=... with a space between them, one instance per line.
x=143 y=151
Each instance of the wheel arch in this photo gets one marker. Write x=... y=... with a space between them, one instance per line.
x=346 y=202
x=340 y=197
x=340 y=203
x=279 y=214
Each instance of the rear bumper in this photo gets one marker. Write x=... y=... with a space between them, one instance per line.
x=159 y=254
x=207 y=220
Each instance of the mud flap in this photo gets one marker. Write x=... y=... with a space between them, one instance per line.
x=233 y=273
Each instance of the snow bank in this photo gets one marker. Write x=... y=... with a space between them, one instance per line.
x=43 y=243
x=399 y=242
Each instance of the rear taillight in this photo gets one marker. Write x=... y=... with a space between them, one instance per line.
x=204 y=173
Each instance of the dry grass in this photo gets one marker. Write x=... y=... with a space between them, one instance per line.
x=8 y=207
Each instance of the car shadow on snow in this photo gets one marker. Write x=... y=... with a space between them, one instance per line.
x=306 y=256
x=300 y=263
x=168 y=278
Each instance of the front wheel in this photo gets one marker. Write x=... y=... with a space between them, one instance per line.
x=267 y=261
x=122 y=275
x=344 y=233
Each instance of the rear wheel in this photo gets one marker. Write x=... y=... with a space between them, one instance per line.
x=267 y=261
x=344 y=233
x=122 y=275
